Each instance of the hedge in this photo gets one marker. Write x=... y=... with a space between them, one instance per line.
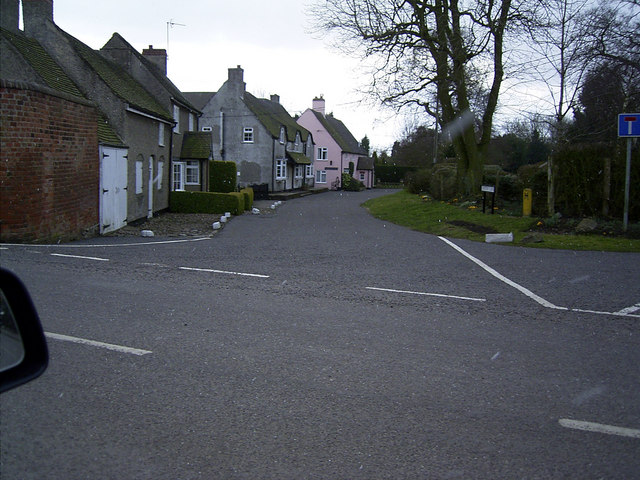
x=248 y=197
x=392 y=173
x=222 y=176
x=207 y=202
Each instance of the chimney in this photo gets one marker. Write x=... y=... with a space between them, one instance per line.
x=10 y=14
x=236 y=80
x=318 y=104
x=275 y=98
x=157 y=56
x=35 y=13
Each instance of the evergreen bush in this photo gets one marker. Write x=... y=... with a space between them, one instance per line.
x=206 y=202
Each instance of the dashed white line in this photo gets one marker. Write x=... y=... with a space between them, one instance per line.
x=502 y=278
x=599 y=428
x=427 y=294
x=93 y=343
x=107 y=245
x=211 y=270
x=82 y=257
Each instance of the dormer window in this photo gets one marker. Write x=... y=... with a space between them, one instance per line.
x=282 y=135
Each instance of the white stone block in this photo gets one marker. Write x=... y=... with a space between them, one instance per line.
x=498 y=237
x=216 y=225
x=147 y=233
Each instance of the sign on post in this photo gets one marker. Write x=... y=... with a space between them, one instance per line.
x=629 y=127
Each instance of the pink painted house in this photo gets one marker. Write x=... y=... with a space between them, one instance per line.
x=336 y=148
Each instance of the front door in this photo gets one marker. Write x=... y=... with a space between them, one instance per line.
x=113 y=188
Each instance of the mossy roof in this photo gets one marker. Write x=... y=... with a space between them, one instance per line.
x=274 y=116
x=196 y=145
x=158 y=74
x=54 y=77
x=119 y=81
x=299 y=158
x=340 y=133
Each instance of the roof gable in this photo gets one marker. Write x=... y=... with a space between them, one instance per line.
x=119 y=81
x=155 y=71
x=340 y=133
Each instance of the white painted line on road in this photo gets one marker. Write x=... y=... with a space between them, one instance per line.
x=210 y=270
x=93 y=343
x=597 y=312
x=107 y=245
x=80 y=256
x=502 y=278
x=628 y=310
x=599 y=428
x=427 y=294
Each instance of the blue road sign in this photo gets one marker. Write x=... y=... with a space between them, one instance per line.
x=629 y=125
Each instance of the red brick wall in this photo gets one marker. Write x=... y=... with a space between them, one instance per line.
x=49 y=166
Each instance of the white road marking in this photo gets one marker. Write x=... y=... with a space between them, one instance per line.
x=93 y=343
x=599 y=428
x=502 y=278
x=80 y=256
x=597 y=312
x=106 y=245
x=628 y=310
x=427 y=294
x=210 y=270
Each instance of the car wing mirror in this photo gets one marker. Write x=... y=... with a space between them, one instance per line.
x=23 y=347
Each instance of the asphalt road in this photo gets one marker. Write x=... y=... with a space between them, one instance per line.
x=319 y=342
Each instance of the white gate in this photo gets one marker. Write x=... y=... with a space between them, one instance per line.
x=113 y=189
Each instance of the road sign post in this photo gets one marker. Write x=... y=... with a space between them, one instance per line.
x=629 y=127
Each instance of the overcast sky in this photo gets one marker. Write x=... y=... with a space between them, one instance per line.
x=270 y=40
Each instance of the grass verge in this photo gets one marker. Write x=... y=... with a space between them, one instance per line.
x=468 y=222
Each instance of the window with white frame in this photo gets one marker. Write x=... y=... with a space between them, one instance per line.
x=308 y=171
x=161 y=134
x=176 y=118
x=282 y=134
x=281 y=169
x=192 y=172
x=321 y=176
x=178 y=176
x=362 y=176
x=247 y=135
x=192 y=122
x=298 y=171
x=322 y=153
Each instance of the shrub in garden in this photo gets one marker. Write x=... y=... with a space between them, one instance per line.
x=206 y=202
x=222 y=176
x=418 y=181
x=350 y=184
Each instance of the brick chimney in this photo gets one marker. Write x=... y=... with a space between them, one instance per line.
x=318 y=104
x=275 y=98
x=35 y=13
x=10 y=14
x=236 y=80
x=157 y=56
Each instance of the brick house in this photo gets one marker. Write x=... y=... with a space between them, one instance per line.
x=337 y=151
x=258 y=134
x=50 y=143
x=134 y=179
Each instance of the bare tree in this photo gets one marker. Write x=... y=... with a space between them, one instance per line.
x=446 y=56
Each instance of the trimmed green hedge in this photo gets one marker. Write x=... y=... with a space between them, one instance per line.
x=206 y=202
x=222 y=176
x=248 y=197
x=392 y=173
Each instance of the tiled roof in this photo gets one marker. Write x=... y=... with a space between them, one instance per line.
x=119 y=81
x=340 y=133
x=196 y=145
x=365 y=163
x=160 y=76
x=54 y=77
x=299 y=158
x=199 y=99
x=273 y=116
